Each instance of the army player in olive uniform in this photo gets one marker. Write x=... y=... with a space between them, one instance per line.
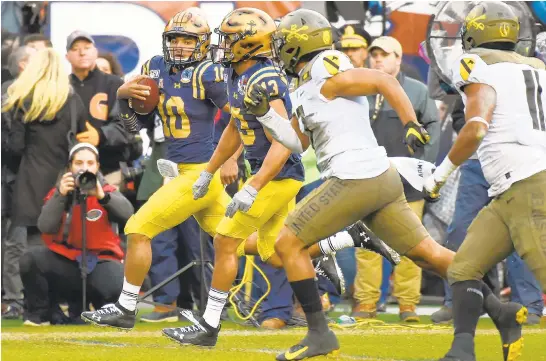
x=331 y=112
x=505 y=124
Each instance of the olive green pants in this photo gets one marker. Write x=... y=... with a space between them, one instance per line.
x=514 y=220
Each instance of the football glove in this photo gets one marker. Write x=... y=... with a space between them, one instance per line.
x=201 y=185
x=257 y=100
x=242 y=201
x=431 y=188
x=416 y=136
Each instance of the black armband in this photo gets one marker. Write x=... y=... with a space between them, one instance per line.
x=106 y=199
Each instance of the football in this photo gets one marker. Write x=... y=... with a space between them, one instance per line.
x=146 y=106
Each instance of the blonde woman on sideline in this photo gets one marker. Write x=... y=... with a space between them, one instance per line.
x=37 y=108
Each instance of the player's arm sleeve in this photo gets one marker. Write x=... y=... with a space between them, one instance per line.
x=209 y=79
x=470 y=69
x=132 y=121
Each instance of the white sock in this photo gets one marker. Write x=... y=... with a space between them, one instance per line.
x=335 y=243
x=215 y=305
x=129 y=295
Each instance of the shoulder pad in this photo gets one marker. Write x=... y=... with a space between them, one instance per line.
x=468 y=69
x=274 y=81
x=202 y=73
x=325 y=65
x=149 y=66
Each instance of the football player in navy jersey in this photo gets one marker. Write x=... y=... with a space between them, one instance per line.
x=191 y=90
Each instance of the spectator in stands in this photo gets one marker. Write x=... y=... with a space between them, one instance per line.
x=98 y=93
x=386 y=55
x=53 y=272
x=39 y=108
x=37 y=41
x=12 y=236
x=109 y=64
x=354 y=42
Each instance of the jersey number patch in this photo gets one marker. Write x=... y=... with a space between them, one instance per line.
x=247 y=134
x=467 y=64
x=176 y=123
x=534 y=99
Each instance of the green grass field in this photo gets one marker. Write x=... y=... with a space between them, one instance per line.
x=389 y=341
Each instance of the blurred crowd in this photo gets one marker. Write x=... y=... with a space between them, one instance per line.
x=58 y=127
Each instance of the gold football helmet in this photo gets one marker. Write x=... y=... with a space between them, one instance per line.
x=190 y=22
x=490 y=22
x=244 y=33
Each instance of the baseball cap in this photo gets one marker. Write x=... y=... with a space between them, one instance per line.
x=388 y=44
x=354 y=36
x=76 y=35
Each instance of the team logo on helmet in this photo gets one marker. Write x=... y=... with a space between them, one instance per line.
x=504 y=30
x=294 y=32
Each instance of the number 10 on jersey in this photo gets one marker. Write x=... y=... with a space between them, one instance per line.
x=176 y=123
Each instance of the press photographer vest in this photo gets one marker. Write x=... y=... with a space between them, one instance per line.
x=101 y=239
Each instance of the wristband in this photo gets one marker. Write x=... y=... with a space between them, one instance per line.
x=443 y=171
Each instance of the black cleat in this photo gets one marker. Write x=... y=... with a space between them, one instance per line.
x=199 y=334
x=112 y=315
x=327 y=267
x=363 y=237
x=509 y=323
x=462 y=348
x=312 y=346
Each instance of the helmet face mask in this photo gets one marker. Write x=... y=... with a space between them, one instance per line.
x=174 y=54
x=244 y=34
x=186 y=24
x=277 y=43
x=222 y=52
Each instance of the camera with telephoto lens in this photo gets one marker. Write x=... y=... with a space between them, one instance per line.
x=85 y=181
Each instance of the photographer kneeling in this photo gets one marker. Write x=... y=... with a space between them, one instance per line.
x=53 y=273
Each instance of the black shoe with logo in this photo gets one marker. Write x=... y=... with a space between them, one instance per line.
x=112 y=315
x=363 y=237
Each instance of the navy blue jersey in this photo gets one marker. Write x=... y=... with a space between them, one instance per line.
x=252 y=133
x=188 y=101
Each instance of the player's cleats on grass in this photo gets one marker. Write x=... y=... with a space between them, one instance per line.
x=327 y=266
x=312 y=345
x=199 y=334
x=509 y=323
x=113 y=315
x=365 y=238
x=462 y=349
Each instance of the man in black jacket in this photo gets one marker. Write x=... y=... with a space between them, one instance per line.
x=98 y=93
